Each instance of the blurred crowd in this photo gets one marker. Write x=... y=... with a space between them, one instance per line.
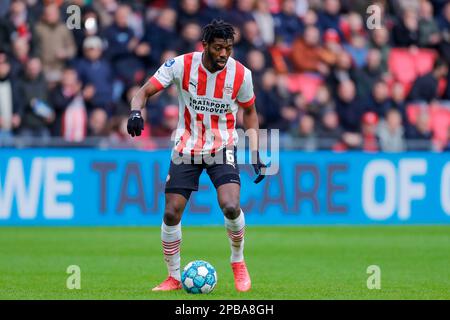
x=322 y=75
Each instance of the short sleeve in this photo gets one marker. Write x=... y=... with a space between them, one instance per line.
x=167 y=73
x=246 y=96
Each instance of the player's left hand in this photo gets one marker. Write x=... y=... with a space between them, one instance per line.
x=135 y=123
x=259 y=168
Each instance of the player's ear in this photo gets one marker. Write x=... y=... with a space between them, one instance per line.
x=205 y=45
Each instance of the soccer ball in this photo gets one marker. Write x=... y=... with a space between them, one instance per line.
x=199 y=277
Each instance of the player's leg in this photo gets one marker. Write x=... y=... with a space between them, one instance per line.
x=181 y=181
x=171 y=239
x=229 y=197
x=225 y=178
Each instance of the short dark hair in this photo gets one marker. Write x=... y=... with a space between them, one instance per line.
x=217 y=29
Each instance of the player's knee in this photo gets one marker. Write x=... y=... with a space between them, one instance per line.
x=231 y=209
x=172 y=214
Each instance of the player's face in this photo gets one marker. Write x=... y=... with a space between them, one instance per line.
x=218 y=52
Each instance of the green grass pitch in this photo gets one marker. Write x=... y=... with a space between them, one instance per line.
x=284 y=262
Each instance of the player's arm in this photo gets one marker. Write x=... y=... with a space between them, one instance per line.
x=160 y=80
x=146 y=91
x=251 y=124
x=135 y=121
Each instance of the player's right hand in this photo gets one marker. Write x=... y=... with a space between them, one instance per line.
x=135 y=123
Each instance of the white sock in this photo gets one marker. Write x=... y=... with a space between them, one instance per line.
x=236 y=230
x=171 y=242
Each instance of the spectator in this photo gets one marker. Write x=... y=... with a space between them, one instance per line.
x=240 y=45
x=299 y=102
x=406 y=31
x=56 y=43
x=444 y=27
x=305 y=131
x=322 y=101
x=121 y=48
x=343 y=70
x=11 y=104
x=399 y=6
x=421 y=130
x=243 y=12
x=425 y=88
x=379 y=101
x=329 y=127
x=217 y=9
x=380 y=41
x=188 y=12
x=369 y=130
x=309 y=55
x=157 y=106
x=357 y=48
x=429 y=35
x=257 y=63
x=159 y=36
x=21 y=54
x=311 y=19
x=106 y=10
x=352 y=26
x=398 y=100
x=332 y=42
x=38 y=114
x=21 y=23
x=290 y=115
x=97 y=120
x=265 y=22
x=90 y=26
x=329 y=18
x=169 y=122
x=191 y=34
x=349 y=106
x=4 y=6
x=288 y=25
x=95 y=73
x=5 y=38
x=251 y=37
x=391 y=133
x=70 y=111
x=269 y=102
x=372 y=72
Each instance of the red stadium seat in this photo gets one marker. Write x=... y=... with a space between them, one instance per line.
x=406 y=66
x=306 y=83
x=439 y=119
x=412 y=110
x=424 y=60
x=401 y=65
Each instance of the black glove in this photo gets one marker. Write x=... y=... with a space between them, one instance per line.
x=258 y=167
x=135 y=123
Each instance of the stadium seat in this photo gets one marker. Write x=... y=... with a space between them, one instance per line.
x=401 y=65
x=306 y=83
x=439 y=119
x=406 y=66
x=424 y=60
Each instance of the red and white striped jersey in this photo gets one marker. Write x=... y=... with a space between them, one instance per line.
x=208 y=102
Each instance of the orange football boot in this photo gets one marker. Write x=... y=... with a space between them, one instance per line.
x=168 y=285
x=242 y=280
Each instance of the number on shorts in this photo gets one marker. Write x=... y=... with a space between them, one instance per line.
x=230 y=156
